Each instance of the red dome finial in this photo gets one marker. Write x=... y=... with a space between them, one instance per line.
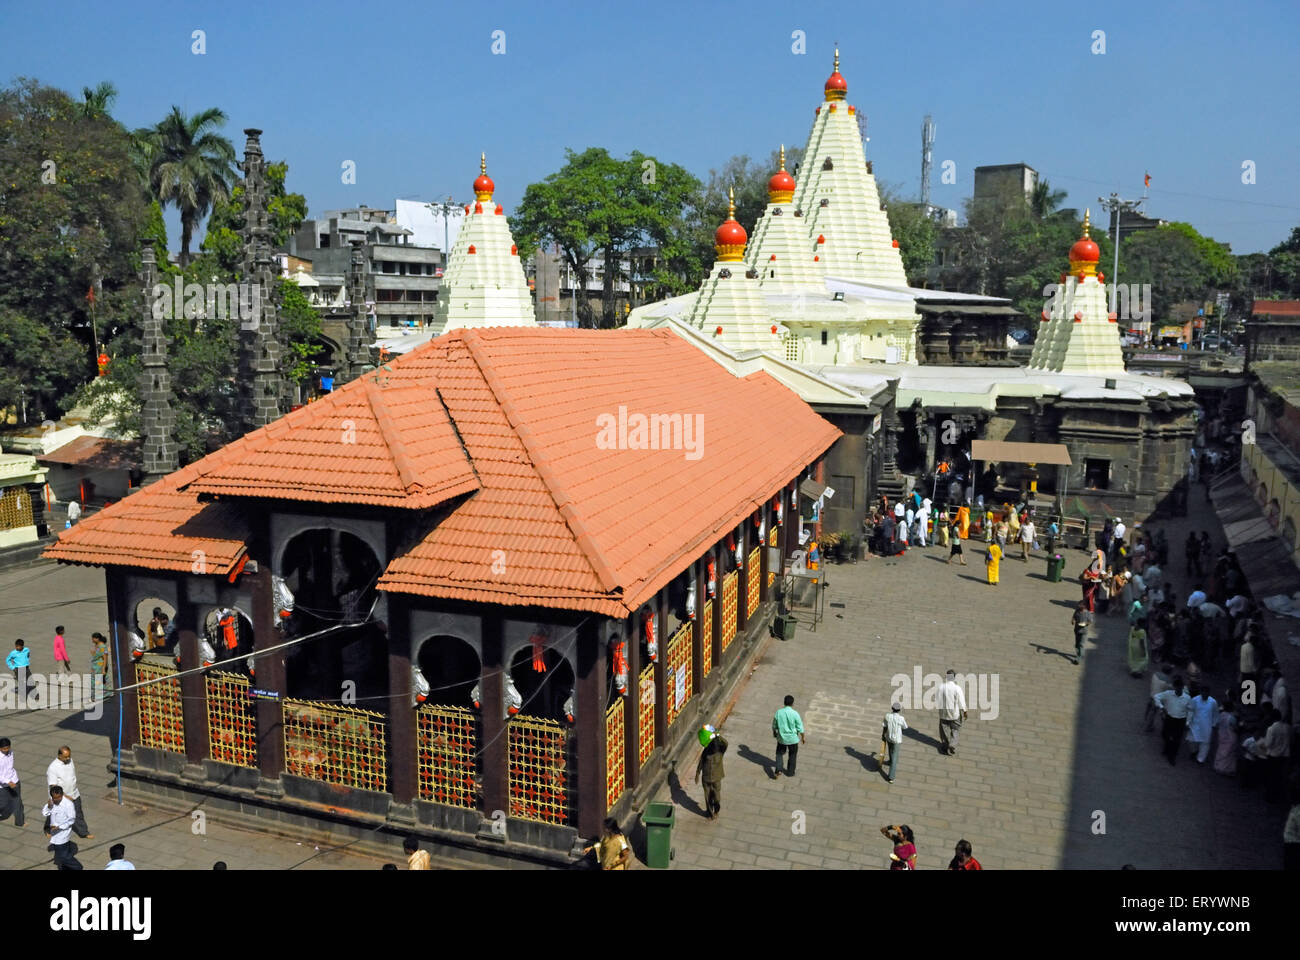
x=837 y=88
x=1085 y=253
x=729 y=239
x=483 y=185
x=780 y=189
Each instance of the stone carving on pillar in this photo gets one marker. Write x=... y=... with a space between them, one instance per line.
x=157 y=421
x=356 y=358
x=262 y=388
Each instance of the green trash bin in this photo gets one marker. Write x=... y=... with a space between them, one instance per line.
x=658 y=819
x=1055 y=565
x=785 y=627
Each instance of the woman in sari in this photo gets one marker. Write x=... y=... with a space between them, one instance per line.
x=991 y=562
x=903 y=856
x=963 y=521
x=1225 y=754
x=1137 y=650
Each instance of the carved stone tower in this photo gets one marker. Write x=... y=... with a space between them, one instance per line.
x=157 y=421
x=261 y=385
x=356 y=352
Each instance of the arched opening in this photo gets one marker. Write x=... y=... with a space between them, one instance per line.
x=451 y=668
x=544 y=692
x=155 y=621
x=447 y=725
x=540 y=765
x=221 y=626
x=332 y=576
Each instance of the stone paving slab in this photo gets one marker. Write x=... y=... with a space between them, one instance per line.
x=1031 y=783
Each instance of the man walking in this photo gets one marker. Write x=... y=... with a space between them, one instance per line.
x=1175 y=704
x=62 y=773
x=20 y=658
x=1081 y=620
x=11 y=791
x=893 y=738
x=787 y=727
x=709 y=768
x=1202 y=716
x=952 y=713
x=61 y=816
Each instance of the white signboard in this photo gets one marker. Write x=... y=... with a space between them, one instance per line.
x=681 y=686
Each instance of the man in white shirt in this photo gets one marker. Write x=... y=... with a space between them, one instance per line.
x=1237 y=605
x=62 y=772
x=1277 y=747
x=11 y=790
x=1281 y=699
x=117 y=858
x=61 y=815
x=1117 y=537
x=952 y=712
x=894 y=727
x=1196 y=597
x=1175 y=705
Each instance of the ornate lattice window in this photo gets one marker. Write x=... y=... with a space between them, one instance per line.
x=773 y=539
x=335 y=744
x=730 y=600
x=645 y=715
x=232 y=723
x=706 y=637
x=753 y=575
x=15 y=509
x=615 y=753
x=679 y=680
x=792 y=348
x=162 y=722
x=539 y=770
x=446 y=751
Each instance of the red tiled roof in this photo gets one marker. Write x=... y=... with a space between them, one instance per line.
x=387 y=446
x=95 y=453
x=510 y=416
x=1276 y=308
x=158 y=527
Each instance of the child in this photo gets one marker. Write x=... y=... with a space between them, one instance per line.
x=61 y=651
x=20 y=658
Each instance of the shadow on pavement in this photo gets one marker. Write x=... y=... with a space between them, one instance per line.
x=870 y=762
x=682 y=798
x=767 y=763
x=913 y=734
x=1052 y=650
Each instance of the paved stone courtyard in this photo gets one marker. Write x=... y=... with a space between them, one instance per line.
x=1064 y=750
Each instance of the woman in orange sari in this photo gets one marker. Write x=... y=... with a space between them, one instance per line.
x=963 y=521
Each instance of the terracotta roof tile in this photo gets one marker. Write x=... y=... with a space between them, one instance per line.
x=509 y=416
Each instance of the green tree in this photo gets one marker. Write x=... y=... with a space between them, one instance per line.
x=39 y=364
x=599 y=206
x=915 y=231
x=98 y=102
x=286 y=212
x=71 y=214
x=1179 y=263
x=190 y=166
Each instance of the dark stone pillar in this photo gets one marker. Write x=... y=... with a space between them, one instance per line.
x=660 y=606
x=401 y=712
x=701 y=580
x=763 y=591
x=590 y=704
x=121 y=672
x=742 y=581
x=194 y=686
x=270 y=675
x=719 y=549
x=494 y=740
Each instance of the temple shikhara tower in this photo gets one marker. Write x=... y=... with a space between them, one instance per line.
x=1077 y=334
x=484 y=283
x=731 y=303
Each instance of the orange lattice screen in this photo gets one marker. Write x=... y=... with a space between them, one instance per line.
x=752 y=585
x=335 y=744
x=615 y=754
x=162 y=724
x=645 y=715
x=730 y=595
x=446 y=750
x=679 y=680
x=706 y=637
x=772 y=541
x=539 y=770
x=232 y=725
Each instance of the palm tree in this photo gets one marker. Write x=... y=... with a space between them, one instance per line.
x=1043 y=200
x=190 y=166
x=97 y=101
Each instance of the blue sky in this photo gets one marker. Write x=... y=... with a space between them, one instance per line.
x=412 y=92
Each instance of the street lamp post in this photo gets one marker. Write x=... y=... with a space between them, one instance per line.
x=1119 y=207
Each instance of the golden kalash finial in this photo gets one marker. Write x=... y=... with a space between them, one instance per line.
x=783 y=156
x=482 y=163
x=837 y=59
x=1087 y=220
x=731 y=203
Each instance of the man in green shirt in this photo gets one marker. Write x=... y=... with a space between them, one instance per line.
x=787 y=727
